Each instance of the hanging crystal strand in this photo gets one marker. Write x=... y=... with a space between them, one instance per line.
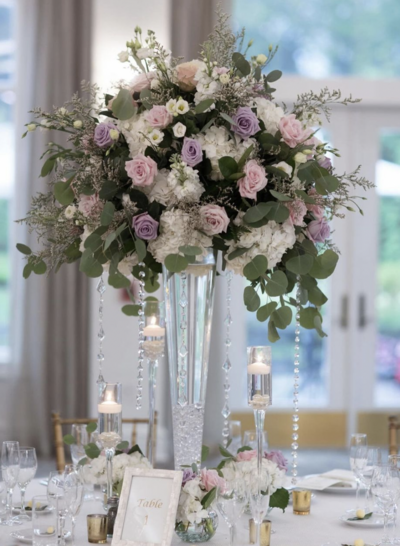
x=139 y=390
x=183 y=350
x=295 y=418
x=226 y=366
x=101 y=288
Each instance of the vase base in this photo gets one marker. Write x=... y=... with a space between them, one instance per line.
x=188 y=434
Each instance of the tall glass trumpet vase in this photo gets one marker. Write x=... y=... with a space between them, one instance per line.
x=110 y=425
x=259 y=390
x=153 y=347
x=189 y=299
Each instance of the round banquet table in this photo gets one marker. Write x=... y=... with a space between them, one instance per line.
x=321 y=526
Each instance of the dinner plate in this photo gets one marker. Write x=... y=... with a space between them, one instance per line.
x=25 y=536
x=343 y=490
x=373 y=522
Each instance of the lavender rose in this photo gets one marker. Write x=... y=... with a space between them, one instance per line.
x=145 y=227
x=102 y=135
x=318 y=230
x=246 y=122
x=325 y=162
x=278 y=458
x=188 y=475
x=191 y=151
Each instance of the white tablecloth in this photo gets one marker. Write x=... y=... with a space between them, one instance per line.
x=321 y=526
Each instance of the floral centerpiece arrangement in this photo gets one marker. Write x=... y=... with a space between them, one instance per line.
x=242 y=467
x=195 y=518
x=189 y=156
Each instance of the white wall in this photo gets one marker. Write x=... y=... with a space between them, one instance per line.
x=114 y=23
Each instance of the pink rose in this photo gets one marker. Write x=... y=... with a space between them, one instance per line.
x=318 y=230
x=297 y=210
x=88 y=202
x=254 y=181
x=185 y=74
x=214 y=219
x=317 y=210
x=158 y=117
x=247 y=455
x=211 y=479
x=292 y=131
x=142 y=81
x=142 y=170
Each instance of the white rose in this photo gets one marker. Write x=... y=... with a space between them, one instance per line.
x=179 y=130
x=70 y=211
x=123 y=56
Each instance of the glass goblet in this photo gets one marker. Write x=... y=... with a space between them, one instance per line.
x=374 y=458
x=358 y=459
x=231 y=503
x=56 y=498
x=10 y=459
x=385 y=486
x=27 y=471
x=73 y=494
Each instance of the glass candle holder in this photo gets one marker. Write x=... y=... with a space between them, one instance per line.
x=265 y=532
x=301 y=502
x=97 y=528
x=110 y=425
x=259 y=377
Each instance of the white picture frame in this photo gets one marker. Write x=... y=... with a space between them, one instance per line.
x=147 y=507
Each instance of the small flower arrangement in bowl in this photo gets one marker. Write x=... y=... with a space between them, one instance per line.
x=196 y=521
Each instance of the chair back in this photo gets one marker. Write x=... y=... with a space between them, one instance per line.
x=59 y=422
x=394 y=426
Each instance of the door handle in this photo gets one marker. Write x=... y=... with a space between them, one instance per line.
x=344 y=312
x=363 y=320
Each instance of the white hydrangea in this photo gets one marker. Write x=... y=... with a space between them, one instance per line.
x=190 y=509
x=216 y=142
x=206 y=86
x=136 y=131
x=185 y=184
x=126 y=264
x=95 y=472
x=160 y=191
x=271 y=240
x=269 y=113
x=176 y=231
x=245 y=472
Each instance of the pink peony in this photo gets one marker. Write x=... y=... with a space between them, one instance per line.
x=247 y=455
x=211 y=479
x=318 y=230
x=158 y=117
x=292 y=131
x=141 y=81
x=214 y=219
x=297 y=210
x=88 y=202
x=185 y=74
x=142 y=170
x=317 y=210
x=254 y=181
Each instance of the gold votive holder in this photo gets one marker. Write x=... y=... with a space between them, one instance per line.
x=265 y=532
x=301 y=502
x=97 y=528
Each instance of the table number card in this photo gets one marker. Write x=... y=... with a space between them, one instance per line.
x=147 y=508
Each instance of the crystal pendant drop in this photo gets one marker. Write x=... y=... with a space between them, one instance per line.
x=226 y=411
x=227 y=365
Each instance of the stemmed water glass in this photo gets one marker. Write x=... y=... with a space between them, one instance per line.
x=81 y=436
x=358 y=459
x=373 y=459
x=56 y=497
x=73 y=493
x=259 y=504
x=385 y=486
x=231 y=503
x=10 y=460
x=27 y=471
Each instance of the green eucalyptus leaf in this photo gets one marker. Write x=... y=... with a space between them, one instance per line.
x=277 y=212
x=69 y=440
x=117 y=280
x=236 y=253
x=272 y=332
x=227 y=118
x=141 y=249
x=257 y=267
x=265 y=311
x=225 y=453
x=40 y=268
x=273 y=76
x=89 y=265
x=131 y=310
x=251 y=299
x=108 y=190
x=241 y=64
x=282 y=317
x=203 y=106
x=92 y=451
x=27 y=270
x=316 y=296
x=107 y=214
x=190 y=250
x=227 y=166
x=307 y=316
x=209 y=498
x=300 y=264
x=91 y=427
x=324 y=265
x=175 y=263
x=277 y=284
x=24 y=249
x=280 y=196
x=123 y=445
x=245 y=155
x=122 y=106
x=63 y=193
x=279 y=499
x=257 y=213
x=205 y=451
x=48 y=166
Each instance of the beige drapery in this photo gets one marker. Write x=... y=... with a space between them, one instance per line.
x=51 y=314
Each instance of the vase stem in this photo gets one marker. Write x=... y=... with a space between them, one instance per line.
x=259 y=418
x=109 y=461
x=153 y=364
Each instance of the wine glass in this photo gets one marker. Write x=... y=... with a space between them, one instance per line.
x=77 y=449
x=358 y=459
x=385 y=486
x=73 y=493
x=10 y=470
x=56 y=497
x=373 y=459
x=259 y=504
x=27 y=471
x=231 y=503
x=250 y=439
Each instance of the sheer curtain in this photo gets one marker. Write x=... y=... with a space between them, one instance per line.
x=51 y=314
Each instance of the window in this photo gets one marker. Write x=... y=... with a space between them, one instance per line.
x=319 y=39
x=7 y=97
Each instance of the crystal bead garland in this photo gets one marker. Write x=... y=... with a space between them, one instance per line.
x=101 y=288
x=183 y=351
x=295 y=418
x=226 y=366
x=139 y=391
